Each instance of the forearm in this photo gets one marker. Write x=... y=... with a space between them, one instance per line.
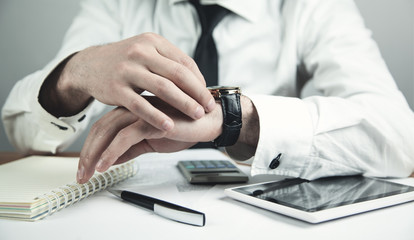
x=58 y=94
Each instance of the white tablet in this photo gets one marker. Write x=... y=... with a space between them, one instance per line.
x=323 y=199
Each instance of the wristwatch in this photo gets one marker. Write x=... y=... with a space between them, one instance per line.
x=232 y=114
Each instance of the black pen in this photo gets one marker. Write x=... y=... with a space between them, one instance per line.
x=163 y=208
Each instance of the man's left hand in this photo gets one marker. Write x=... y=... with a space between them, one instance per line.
x=120 y=136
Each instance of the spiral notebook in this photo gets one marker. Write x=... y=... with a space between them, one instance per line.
x=34 y=187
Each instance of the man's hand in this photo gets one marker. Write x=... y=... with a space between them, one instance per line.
x=120 y=136
x=117 y=73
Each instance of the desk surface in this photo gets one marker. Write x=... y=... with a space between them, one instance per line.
x=11 y=156
x=103 y=216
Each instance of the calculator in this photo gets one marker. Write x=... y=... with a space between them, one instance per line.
x=211 y=171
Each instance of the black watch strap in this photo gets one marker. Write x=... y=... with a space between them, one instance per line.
x=232 y=120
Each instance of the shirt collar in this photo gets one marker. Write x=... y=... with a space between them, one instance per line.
x=248 y=9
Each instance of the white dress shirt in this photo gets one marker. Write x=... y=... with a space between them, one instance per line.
x=360 y=122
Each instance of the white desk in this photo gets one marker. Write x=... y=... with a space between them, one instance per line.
x=103 y=216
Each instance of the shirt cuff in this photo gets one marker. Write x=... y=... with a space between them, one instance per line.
x=286 y=133
x=63 y=128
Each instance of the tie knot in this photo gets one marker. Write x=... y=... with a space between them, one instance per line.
x=209 y=15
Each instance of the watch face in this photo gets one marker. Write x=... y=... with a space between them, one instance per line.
x=218 y=91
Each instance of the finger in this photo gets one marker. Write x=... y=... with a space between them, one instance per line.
x=173 y=54
x=170 y=51
x=183 y=78
x=144 y=110
x=168 y=92
x=188 y=130
x=167 y=60
x=124 y=140
x=99 y=138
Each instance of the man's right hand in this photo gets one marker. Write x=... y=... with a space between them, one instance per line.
x=117 y=73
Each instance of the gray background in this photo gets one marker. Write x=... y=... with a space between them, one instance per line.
x=31 y=33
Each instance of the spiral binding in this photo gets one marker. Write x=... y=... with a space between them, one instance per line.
x=69 y=194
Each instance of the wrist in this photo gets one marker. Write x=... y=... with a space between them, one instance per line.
x=229 y=98
x=249 y=133
x=246 y=145
x=217 y=121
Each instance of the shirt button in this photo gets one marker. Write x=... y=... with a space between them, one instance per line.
x=275 y=162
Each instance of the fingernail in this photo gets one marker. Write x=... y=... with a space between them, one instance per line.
x=199 y=113
x=100 y=165
x=80 y=173
x=211 y=105
x=167 y=125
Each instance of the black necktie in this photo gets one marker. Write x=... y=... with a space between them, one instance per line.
x=206 y=53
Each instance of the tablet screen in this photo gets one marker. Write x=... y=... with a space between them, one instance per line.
x=324 y=193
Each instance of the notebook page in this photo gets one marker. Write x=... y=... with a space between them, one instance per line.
x=23 y=180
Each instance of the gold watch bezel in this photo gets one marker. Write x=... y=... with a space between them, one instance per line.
x=218 y=91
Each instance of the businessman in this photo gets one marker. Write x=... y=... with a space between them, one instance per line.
x=153 y=59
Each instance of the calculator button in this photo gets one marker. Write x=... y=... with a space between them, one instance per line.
x=188 y=165
x=199 y=165
x=211 y=171
x=220 y=165
x=210 y=166
x=230 y=165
